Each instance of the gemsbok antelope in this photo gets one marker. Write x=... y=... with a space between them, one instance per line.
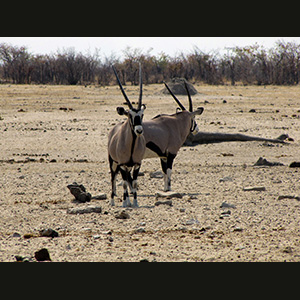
x=165 y=134
x=126 y=146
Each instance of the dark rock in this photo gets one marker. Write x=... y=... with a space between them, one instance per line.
x=287 y=249
x=283 y=137
x=48 y=232
x=79 y=192
x=42 y=255
x=20 y=258
x=263 y=162
x=16 y=234
x=295 y=164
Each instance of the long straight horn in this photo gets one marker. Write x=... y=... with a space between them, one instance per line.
x=178 y=102
x=141 y=87
x=190 y=98
x=121 y=87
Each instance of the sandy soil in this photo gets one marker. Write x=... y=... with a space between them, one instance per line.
x=45 y=148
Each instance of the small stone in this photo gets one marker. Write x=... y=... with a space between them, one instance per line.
x=287 y=249
x=84 y=210
x=191 y=222
x=224 y=179
x=254 y=188
x=238 y=229
x=20 y=258
x=48 y=232
x=227 y=205
x=140 y=230
x=99 y=197
x=28 y=235
x=167 y=202
x=168 y=195
x=263 y=162
x=224 y=216
x=16 y=234
x=295 y=164
x=42 y=255
x=122 y=215
x=288 y=197
x=157 y=174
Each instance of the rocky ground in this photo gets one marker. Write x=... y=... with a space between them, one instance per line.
x=230 y=210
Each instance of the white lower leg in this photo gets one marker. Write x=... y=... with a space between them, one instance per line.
x=134 y=188
x=167 y=180
x=126 y=201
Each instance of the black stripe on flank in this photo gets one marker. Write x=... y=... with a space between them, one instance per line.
x=153 y=147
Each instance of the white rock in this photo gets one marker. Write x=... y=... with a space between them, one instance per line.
x=84 y=210
x=254 y=188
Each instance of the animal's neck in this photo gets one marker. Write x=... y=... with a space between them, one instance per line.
x=130 y=140
x=184 y=121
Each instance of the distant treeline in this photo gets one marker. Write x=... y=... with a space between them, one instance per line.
x=254 y=64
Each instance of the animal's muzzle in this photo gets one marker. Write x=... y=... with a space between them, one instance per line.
x=138 y=129
x=195 y=130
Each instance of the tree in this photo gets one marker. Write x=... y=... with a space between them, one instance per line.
x=16 y=63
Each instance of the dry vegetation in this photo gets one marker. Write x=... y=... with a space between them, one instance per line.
x=51 y=136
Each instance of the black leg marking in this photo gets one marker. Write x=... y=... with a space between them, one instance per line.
x=170 y=160
x=168 y=170
x=136 y=170
x=114 y=169
x=163 y=162
x=125 y=175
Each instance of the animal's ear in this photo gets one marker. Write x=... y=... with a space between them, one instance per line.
x=121 y=111
x=143 y=106
x=198 y=111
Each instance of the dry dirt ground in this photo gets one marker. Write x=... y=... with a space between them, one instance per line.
x=43 y=148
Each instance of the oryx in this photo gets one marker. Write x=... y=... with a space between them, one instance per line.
x=165 y=134
x=126 y=146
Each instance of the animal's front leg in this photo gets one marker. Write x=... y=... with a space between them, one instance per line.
x=114 y=169
x=136 y=170
x=125 y=172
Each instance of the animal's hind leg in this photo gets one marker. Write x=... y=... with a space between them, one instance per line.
x=166 y=164
x=114 y=169
x=125 y=172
